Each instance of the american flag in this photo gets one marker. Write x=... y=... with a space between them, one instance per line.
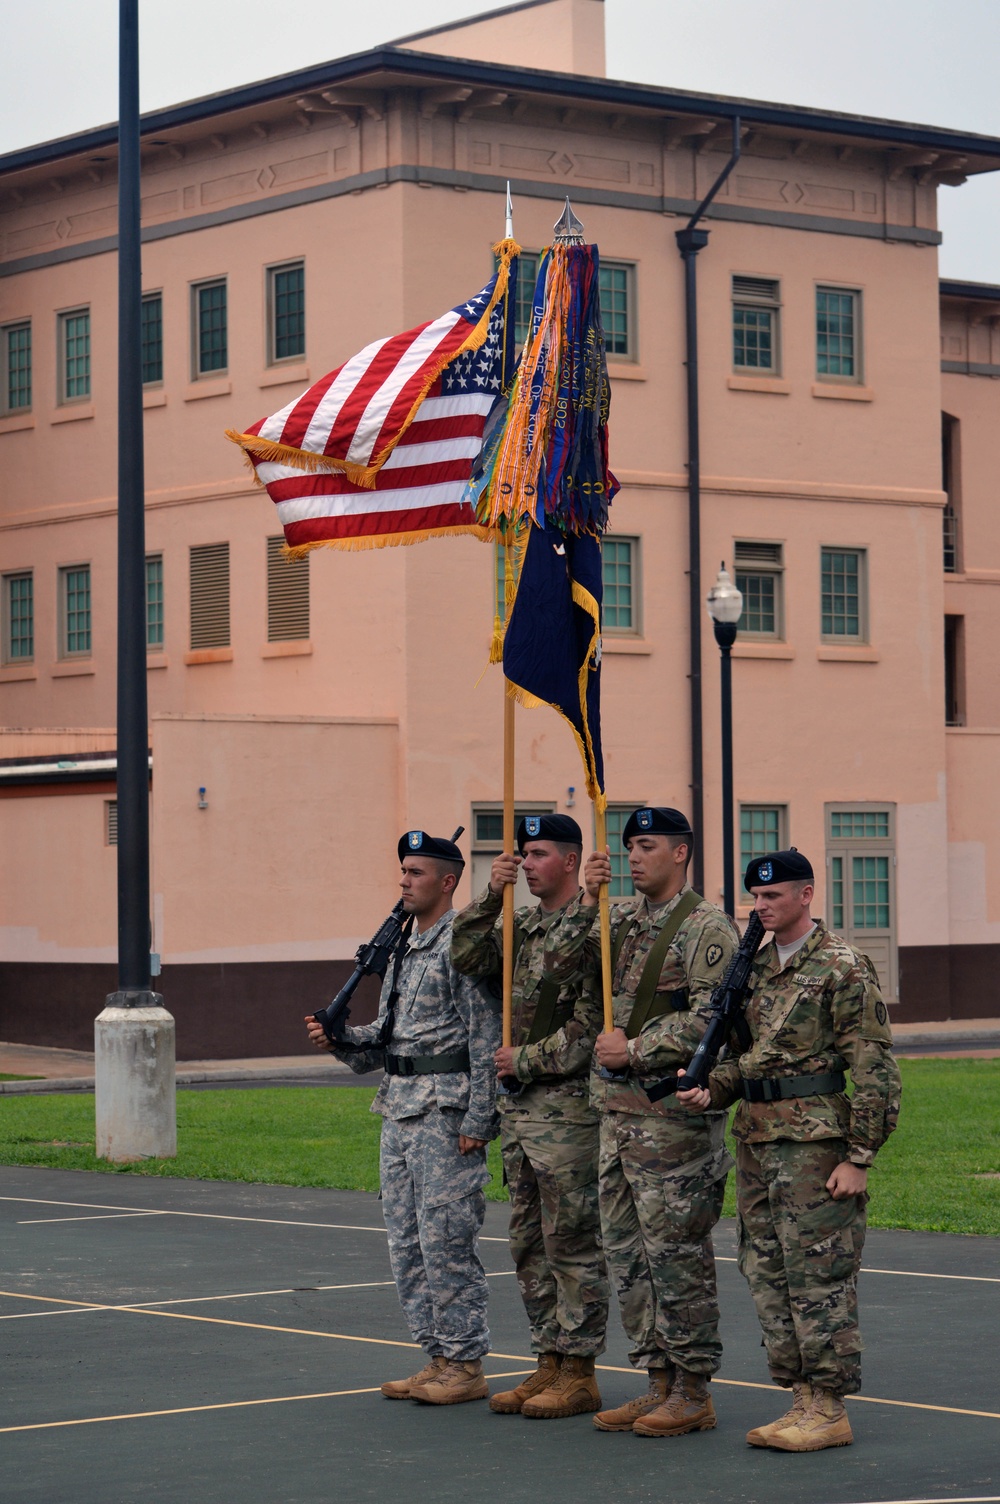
x=407 y=415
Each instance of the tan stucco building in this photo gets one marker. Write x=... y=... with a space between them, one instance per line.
x=301 y=718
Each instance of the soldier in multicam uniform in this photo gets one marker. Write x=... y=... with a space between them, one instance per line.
x=662 y=1173
x=435 y=1036
x=804 y=1149
x=549 y=1133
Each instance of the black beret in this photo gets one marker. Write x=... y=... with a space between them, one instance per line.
x=561 y=828
x=418 y=841
x=656 y=822
x=777 y=867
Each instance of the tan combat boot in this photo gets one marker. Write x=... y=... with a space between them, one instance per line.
x=453 y=1384
x=509 y=1401
x=573 y=1391
x=399 y=1389
x=688 y=1407
x=625 y=1417
x=761 y=1436
x=824 y=1424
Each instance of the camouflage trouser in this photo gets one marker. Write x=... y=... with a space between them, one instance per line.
x=433 y=1203
x=662 y=1182
x=800 y=1251
x=555 y=1233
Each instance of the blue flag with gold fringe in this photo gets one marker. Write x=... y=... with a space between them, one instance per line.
x=552 y=645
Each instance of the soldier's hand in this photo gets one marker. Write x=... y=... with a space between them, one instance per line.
x=316 y=1035
x=612 y=1049
x=503 y=871
x=504 y=1060
x=697 y=1099
x=597 y=870
x=468 y=1145
x=847 y=1180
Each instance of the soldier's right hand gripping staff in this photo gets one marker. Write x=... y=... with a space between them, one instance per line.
x=549 y=1133
x=804 y=1147
x=662 y=1173
x=435 y=1038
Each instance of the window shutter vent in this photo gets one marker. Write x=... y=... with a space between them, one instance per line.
x=755 y=289
x=111 y=822
x=210 y=596
x=287 y=594
x=747 y=555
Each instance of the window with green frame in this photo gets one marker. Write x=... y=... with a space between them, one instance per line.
x=617 y=315
x=761 y=831
x=755 y=324
x=287 y=307
x=152 y=338
x=74 y=350
x=620 y=885
x=75 y=590
x=759 y=577
x=154 y=603
x=211 y=328
x=837 y=346
x=15 y=396
x=843 y=593
x=619 y=569
x=19 y=617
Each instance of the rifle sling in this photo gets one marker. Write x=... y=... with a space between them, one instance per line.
x=648 y=1003
x=550 y=1014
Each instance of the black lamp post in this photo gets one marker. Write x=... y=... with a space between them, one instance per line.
x=725 y=607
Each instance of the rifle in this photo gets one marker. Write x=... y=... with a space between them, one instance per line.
x=728 y=1002
x=371 y=959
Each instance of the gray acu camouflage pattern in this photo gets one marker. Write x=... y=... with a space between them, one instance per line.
x=799 y=1249
x=548 y=1138
x=662 y=1171
x=432 y=1195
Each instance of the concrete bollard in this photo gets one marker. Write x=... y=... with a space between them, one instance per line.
x=135 y=1080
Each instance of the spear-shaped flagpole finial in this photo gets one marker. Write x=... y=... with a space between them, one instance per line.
x=509 y=228
x=567 y=229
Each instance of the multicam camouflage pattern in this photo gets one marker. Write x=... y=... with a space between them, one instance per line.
x=695 y=961
x=555 y=1232
x=434 y=1206
x=548 y=1139
x=662 y=1171
x=662 y=1185
x=821 y=1012
x=432 y=1196
x=800 y=1251
x=439 y=1012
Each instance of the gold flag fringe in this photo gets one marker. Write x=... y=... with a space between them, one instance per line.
x=386 y=540
x=267 y=451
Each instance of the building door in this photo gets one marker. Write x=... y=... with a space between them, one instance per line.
x=861 y=884
x=487 y=842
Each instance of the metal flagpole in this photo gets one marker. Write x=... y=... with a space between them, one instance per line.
x=134 y=1035
x=508 y=780
x=569 y=231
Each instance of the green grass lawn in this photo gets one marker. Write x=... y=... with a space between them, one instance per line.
x=940 y=1171
x=5 y=1077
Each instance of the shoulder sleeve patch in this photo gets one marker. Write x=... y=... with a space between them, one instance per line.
x=875 y=1017
x=713 y=954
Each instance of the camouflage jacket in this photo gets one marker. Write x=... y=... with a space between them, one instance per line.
x=695 y=961
x=555 y=1070
x=820 y=1012
x=438 y=1012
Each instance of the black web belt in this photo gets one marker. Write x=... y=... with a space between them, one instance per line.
x=779 y=1088
x=426 y=1065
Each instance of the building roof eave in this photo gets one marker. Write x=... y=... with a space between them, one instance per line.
x=398 y=64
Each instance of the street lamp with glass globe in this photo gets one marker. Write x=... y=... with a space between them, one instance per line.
x=725 y=607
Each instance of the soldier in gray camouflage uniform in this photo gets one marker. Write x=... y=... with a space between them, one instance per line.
x=804 y=1149
x=662 y=1173
x=436 y=1101
x=549 y=1132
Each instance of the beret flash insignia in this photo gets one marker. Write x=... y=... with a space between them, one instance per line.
x=765 y=872
x=714 y=954
x=532 y=824
x=415 y=840
x=644 y=819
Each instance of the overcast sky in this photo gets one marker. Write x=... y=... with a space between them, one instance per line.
x=930 y=61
